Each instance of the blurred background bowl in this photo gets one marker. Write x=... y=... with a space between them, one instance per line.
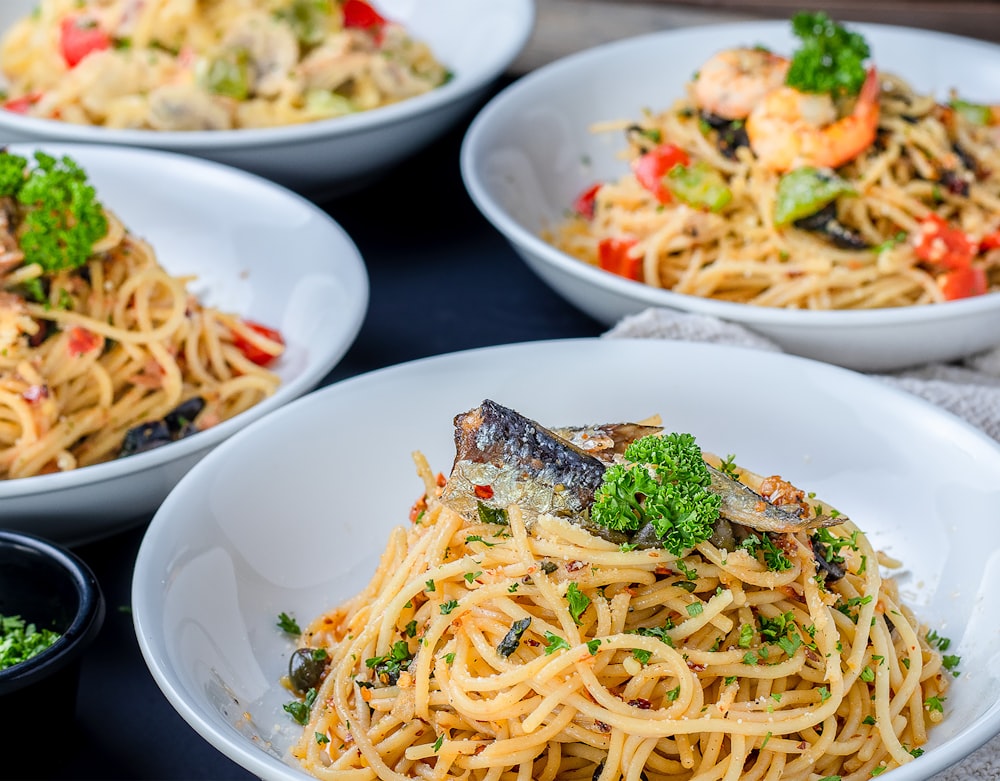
x=47 y=585
x=475 y=39
x=530 y=152
x=248 y=247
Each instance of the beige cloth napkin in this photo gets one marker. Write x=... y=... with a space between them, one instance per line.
x=969 y=389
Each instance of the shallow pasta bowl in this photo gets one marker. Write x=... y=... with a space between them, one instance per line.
x=475 y=39
x=265 y=534
x=530 y=152
x=254 y=249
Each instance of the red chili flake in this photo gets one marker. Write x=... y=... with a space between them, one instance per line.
x=641 y=703
x=418 y=508
x=942 y=244
x=663 y=569
x=483 y=491
x=23 y=104
x=441 y=480
x=600 y=726
x=575 y=566
x=695 y=668
x=358 y=13
x=36 y=393
x=82 y=341
x=585 y=202
x=531 y=641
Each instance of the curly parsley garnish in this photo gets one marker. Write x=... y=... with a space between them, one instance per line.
x=62 y=216
x=666 y=486
x=831 y=59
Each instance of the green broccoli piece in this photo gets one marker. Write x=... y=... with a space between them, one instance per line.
x=666 y=485
x=831 y=58
x=62 y=216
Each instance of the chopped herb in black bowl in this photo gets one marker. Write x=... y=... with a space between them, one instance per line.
x=51 y=609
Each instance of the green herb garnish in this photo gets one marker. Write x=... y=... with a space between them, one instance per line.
x=299 y=710
x=674 y=499
x=62 y=218
x=830 y=59
x=578 y=602
x=388 y=667
x=20 y=640
x=288 y=624
x=554 y=643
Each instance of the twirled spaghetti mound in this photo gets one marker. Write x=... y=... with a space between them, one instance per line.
x=102 y=352
x=506 y=635
x=814 y=196
x=210 y=64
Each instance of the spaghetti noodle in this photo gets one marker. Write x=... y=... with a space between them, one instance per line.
x=749 y=191
x=210 y=65
x=95 y=358
x=518 y=645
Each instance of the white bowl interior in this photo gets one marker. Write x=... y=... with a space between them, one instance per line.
x=531 y=151
x=255 y=249
x=265 y=534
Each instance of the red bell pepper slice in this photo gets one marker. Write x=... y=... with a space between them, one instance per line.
x=253 y=353
x=80 y=36
x=990 y=241
x=586 y=201
x=358 y=13
x=962 y=282
x=652 y=166
x=24 y=103
x=942 y=244
x=613 y=255
x=81 y=341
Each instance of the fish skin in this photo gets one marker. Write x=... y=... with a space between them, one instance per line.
x=607 y=440
x=742 y=505
x=552 y=475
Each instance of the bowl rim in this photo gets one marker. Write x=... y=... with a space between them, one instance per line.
x=312 y=373
x=87 y=621
x=506 y=103
x=462 y=85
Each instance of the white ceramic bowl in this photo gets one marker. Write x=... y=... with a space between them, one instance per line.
x=256 y=249
x=266 y=534
x=530 y=152
x=476 y=39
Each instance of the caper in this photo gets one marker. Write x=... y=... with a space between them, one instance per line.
x=306 y=667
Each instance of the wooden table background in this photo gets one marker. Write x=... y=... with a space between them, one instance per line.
x=565 y=26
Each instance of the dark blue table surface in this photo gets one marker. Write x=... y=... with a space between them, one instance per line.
x=442 y=279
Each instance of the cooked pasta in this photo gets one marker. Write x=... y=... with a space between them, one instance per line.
x=514 y=644
x=113 y=356
x=210 y=64
x=751 y=191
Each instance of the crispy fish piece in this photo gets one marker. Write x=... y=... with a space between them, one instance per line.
x=742 y=505
x=606 y=440
x=504 y=458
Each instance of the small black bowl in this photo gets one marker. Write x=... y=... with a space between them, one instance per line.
x=52 y=588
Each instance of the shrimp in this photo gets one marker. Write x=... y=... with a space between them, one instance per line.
x=791 y=128
x=733 y=81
